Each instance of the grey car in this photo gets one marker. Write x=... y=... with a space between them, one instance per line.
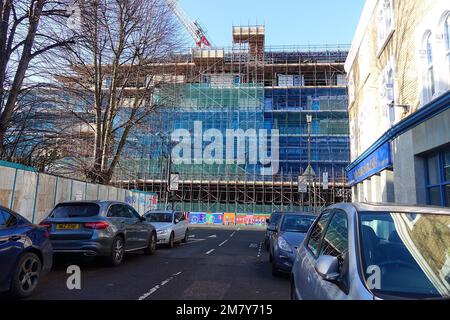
x=374 y=251
x=171 y=226
x=284 y=241
x=272 y=223
x=99 y=228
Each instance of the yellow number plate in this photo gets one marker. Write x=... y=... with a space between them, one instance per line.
x=67 y=226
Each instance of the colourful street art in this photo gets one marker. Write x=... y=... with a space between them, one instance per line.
x=227 y=218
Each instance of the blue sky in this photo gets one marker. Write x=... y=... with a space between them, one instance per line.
x=288 y=22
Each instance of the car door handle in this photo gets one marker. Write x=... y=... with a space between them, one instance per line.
x=15 y=238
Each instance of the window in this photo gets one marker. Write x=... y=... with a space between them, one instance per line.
x=430 y=86
x=335 y=242
x=390 y=247
x=133 y=213
x=119 y=211
x=385 y=23
x=437 y=167
x=447 y=42
x=7 y=220
x=71 y=210
x=388 y=94
x=318 y=232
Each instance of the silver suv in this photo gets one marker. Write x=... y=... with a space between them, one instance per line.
x=171 y=226
x=99 y=228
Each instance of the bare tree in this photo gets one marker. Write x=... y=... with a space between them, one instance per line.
x=112 y=73
x=26 y=38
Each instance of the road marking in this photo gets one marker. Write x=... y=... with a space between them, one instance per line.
x=192 y=236
x=210 y=251
x=253 y=245
x=159 y=286
x=259 y=251
x=223 y=243
x=232 y=234
x=213 y=236
x=192 y=241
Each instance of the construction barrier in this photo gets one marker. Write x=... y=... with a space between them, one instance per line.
x=227 y=218
x=34 y=194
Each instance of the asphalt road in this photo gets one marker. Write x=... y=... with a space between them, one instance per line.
x=215 y=264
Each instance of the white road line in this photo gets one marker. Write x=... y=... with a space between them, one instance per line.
x=232 y=234
x=259 y=251
x=210 y=251
x=155 y=288
x=212 y=236
x=192 y=236
x=223 y=243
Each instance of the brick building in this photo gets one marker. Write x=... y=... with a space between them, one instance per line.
x=399 y=80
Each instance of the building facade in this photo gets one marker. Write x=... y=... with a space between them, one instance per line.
x=249 y=87
x=399 y=80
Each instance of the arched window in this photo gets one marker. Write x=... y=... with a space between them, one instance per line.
x=430 y=86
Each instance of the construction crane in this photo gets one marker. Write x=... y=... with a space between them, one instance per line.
x=192 y=27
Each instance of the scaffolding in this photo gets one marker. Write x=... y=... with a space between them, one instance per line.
x=248 y=86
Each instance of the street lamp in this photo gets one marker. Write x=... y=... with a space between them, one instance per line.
x=309 y=169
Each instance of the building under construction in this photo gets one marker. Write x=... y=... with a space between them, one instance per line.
x=299 y=91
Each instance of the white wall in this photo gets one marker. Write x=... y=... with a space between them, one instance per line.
x=33 y=195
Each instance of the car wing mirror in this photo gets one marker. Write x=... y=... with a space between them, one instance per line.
x=268 y=221
x=328 y=268
x=142 y=218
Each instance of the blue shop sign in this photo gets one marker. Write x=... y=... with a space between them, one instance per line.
x=376 y=162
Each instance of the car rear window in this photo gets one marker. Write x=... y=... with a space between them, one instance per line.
x=72 y=210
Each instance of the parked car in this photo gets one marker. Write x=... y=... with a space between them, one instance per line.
x=374 y=251
x=25 y=254
x=99 y=228
x=290 y=232
x=171 y=226
x=271 y=227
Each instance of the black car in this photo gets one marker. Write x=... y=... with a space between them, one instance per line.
x=25 y=254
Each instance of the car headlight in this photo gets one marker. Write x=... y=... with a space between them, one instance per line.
x=163 y=231
x=284 y=245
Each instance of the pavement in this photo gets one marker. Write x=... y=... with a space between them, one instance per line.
x=217 y=263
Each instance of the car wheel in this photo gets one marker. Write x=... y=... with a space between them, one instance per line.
x=26 y=275
x=186 y=236
x=117 y=252
x=151 y=248
x=171 y=240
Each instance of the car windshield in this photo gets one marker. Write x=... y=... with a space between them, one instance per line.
x=159 y=216
x=70 y=210
x=274 y=218
x=406 y=255
x=296 y=223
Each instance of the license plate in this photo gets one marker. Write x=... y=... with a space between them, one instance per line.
x=67 y=226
